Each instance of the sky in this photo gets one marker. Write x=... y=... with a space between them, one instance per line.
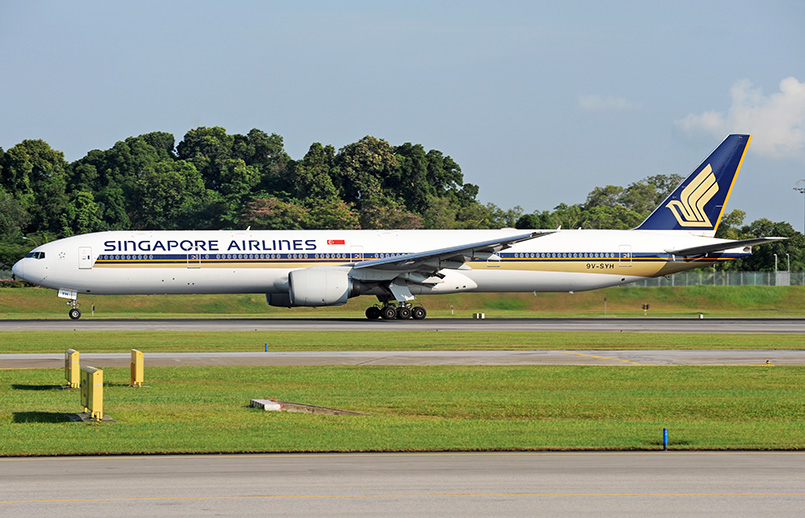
x=539 y=102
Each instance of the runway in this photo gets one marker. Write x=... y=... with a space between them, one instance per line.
x=437 y=484
x=640 y=325
x=559 y=357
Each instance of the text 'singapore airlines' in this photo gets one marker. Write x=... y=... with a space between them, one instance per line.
x=327 y=267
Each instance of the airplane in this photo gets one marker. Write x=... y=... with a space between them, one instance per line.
x=327 y=267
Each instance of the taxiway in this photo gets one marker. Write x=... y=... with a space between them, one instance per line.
x=415 y=484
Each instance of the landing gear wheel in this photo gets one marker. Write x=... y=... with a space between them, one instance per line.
x=419 y=313
x=388 y=313
x=403 y=312
x=373 y=313
x=75 y=314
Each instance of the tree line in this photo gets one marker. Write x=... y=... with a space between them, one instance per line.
x=215 y=180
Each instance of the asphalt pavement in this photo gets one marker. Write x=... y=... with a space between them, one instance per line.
x=435 y=484
x=558 y=357
x=615 y=325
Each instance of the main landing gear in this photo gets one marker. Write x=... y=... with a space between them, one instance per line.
x=392 y=312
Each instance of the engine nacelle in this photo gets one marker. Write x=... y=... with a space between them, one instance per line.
x=282 y=300
x=319 y=287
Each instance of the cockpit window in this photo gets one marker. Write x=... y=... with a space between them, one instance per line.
x=35 y=255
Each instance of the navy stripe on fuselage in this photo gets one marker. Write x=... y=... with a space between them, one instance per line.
x=514 y=257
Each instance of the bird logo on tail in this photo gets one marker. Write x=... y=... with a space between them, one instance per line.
x=689 y=209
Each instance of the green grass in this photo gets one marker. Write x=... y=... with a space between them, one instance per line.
x=716 y=301
x=221 y=341
x=412 y=409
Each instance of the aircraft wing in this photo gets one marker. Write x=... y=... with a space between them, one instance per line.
x=725 y=245
x=452 y=257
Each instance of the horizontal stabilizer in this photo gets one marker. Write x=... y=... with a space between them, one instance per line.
x=724 y=245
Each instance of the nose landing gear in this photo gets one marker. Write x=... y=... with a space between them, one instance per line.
x=74 y=312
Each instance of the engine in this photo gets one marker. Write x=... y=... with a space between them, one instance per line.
x=315 y=287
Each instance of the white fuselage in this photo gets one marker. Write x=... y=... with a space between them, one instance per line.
x=259 y=261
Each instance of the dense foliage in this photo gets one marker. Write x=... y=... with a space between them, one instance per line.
x=212 y=180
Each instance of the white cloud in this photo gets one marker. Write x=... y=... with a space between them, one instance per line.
x=776 y=121
x=609 y=103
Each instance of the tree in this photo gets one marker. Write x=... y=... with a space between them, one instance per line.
x=762 y=258
x=115 y=176
x=162 y=142
x=333 y=214
x=388 y=214
x=275 y=214
x=609 y=196
x=440 y=212
x=237 y=182
x=13 y=218
x=265 y=153
x=207 y=149
x=410 y=180
x=499 y=218
x=569 y=216
x=536 y=220
x=473 y=215
x=168 y=196
x=444 y=174
x=310 y=178
x=82 y=215
x=611 y=217
x=730 y=225
x=35 y=175
x=362 y=168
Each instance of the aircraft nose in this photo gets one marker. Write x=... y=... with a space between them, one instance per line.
x=19 y=269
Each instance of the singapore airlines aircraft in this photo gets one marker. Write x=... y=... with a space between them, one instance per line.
x=327 y=267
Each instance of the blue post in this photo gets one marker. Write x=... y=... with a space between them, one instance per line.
x=665 y=439
x=266 y=347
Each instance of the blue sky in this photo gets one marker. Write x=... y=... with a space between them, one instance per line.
x=539 y=102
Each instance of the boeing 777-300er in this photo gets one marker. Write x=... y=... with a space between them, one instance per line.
x=327 y=267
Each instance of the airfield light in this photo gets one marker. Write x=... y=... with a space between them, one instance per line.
x=800 y=188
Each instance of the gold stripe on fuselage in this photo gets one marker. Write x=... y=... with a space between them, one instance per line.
x=638 y=266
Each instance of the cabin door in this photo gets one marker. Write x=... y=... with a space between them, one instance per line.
x=85 y=257
x=625 y=255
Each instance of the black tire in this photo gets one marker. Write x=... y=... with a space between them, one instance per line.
x=388 y=313
x=403 y=313
x=419 y=313
x=75 y=314
x=373 y=313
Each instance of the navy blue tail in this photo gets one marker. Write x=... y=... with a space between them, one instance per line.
x=698 y=203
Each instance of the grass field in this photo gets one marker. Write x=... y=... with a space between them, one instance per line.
x=716 y=301
x=195 y=409
x=221 y=341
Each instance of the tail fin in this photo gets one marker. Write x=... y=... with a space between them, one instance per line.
x=699 y=201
